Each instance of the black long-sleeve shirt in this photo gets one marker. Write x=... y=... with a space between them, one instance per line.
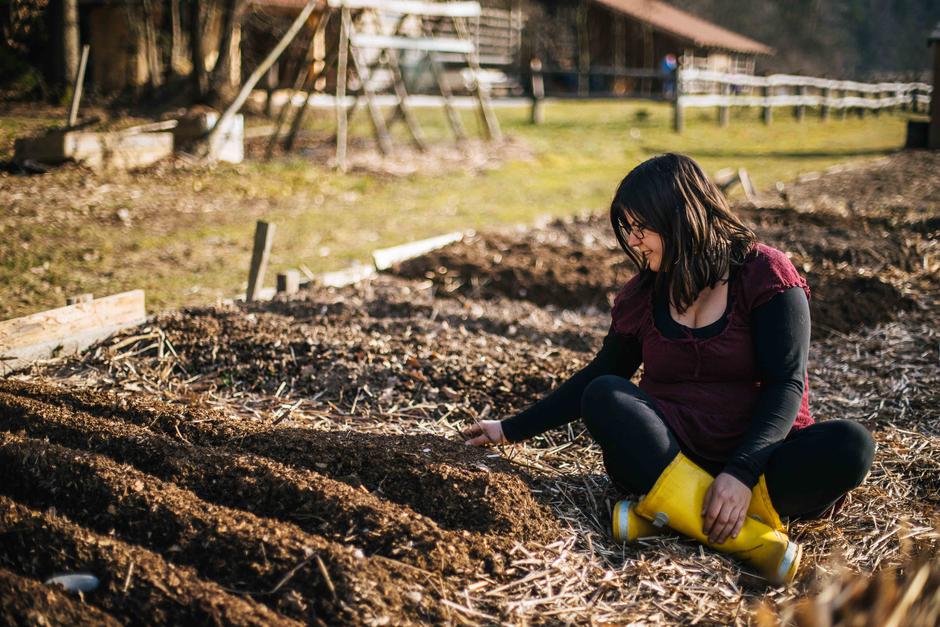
x=781 y=333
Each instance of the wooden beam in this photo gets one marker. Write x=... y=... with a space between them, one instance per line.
x=724 y=111
x=678 y=114
x=340 y=278
x=288 y=282
x=299 y=81
x=264 y=237
x=538 y=91
x=413 y=7
x=312 y=76
x=96 y=150
x=385 y=258
x=67 y=330
x=487 y=115
x=401 y=92
x=799 y=111
x=77 y=87
x=767 y=113
x=933 y=133
x=412 y=43
x=584 y=50
x=750 y=192
x=362 y=71
x=649 y=60
x=342 y=77
x=440 y=77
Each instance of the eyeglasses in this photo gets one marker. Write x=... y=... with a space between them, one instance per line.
x=635 y=229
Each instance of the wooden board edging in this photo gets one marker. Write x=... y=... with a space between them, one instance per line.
x=385 y=258
x=67 y=330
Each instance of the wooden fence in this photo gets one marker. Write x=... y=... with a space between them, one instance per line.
x=702 y=88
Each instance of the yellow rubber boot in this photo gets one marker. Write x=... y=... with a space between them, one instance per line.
x=761 y=508
x=676 y=500
x=628 y=526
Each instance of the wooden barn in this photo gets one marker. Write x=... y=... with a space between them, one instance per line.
x=618 y=47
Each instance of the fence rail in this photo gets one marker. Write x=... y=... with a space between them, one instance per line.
x=697 y=88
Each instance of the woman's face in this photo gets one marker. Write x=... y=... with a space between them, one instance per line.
x=648 y=242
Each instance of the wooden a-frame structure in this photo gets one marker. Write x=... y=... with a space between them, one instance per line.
x=371 y=34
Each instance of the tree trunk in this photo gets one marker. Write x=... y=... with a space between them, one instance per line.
x=220 y=82
x=151 y=41
x=176 y=37
x=197 y=50
x=70 y=40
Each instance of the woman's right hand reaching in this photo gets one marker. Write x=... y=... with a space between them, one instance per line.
x=484 y=433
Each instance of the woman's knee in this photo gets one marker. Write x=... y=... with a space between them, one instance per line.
x=601 y=398
x=608 y=397
x=855 y=447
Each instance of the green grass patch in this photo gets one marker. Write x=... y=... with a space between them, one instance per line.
x=326 y=220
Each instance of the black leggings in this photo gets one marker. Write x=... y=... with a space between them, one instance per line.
x=806 y=473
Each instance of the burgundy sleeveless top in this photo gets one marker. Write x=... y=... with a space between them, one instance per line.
x=706 y=389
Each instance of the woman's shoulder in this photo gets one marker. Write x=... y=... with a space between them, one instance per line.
x=766 y=272
x=632 y=304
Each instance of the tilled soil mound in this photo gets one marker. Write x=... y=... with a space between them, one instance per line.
x=568 y=264
x=904 y=187
x=364 y=360
x=177 y=491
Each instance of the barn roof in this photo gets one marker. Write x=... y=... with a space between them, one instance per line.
x=699 y=32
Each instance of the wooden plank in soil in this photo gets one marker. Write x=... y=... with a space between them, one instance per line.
x=264 y=238
x=67 y=330
x=385 y=258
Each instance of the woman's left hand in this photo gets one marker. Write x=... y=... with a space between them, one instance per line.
x=725 y=508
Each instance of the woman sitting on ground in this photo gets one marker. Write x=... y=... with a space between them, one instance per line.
x=718 y=435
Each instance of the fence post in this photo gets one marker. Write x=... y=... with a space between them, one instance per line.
x=724 y=109
x=799 y=110
x=767 y=114
x=678 y=115
x=824 y=107
x=538 y=90
x=877 y=110
x=844 y=110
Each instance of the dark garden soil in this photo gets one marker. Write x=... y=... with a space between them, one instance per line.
x=298 y=461
x=25 y=601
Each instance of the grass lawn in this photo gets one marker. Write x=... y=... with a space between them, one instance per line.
x=184 y=235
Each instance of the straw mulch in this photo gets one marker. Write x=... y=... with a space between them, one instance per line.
x=888 y=383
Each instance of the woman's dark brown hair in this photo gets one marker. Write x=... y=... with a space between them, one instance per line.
x=670 y=195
